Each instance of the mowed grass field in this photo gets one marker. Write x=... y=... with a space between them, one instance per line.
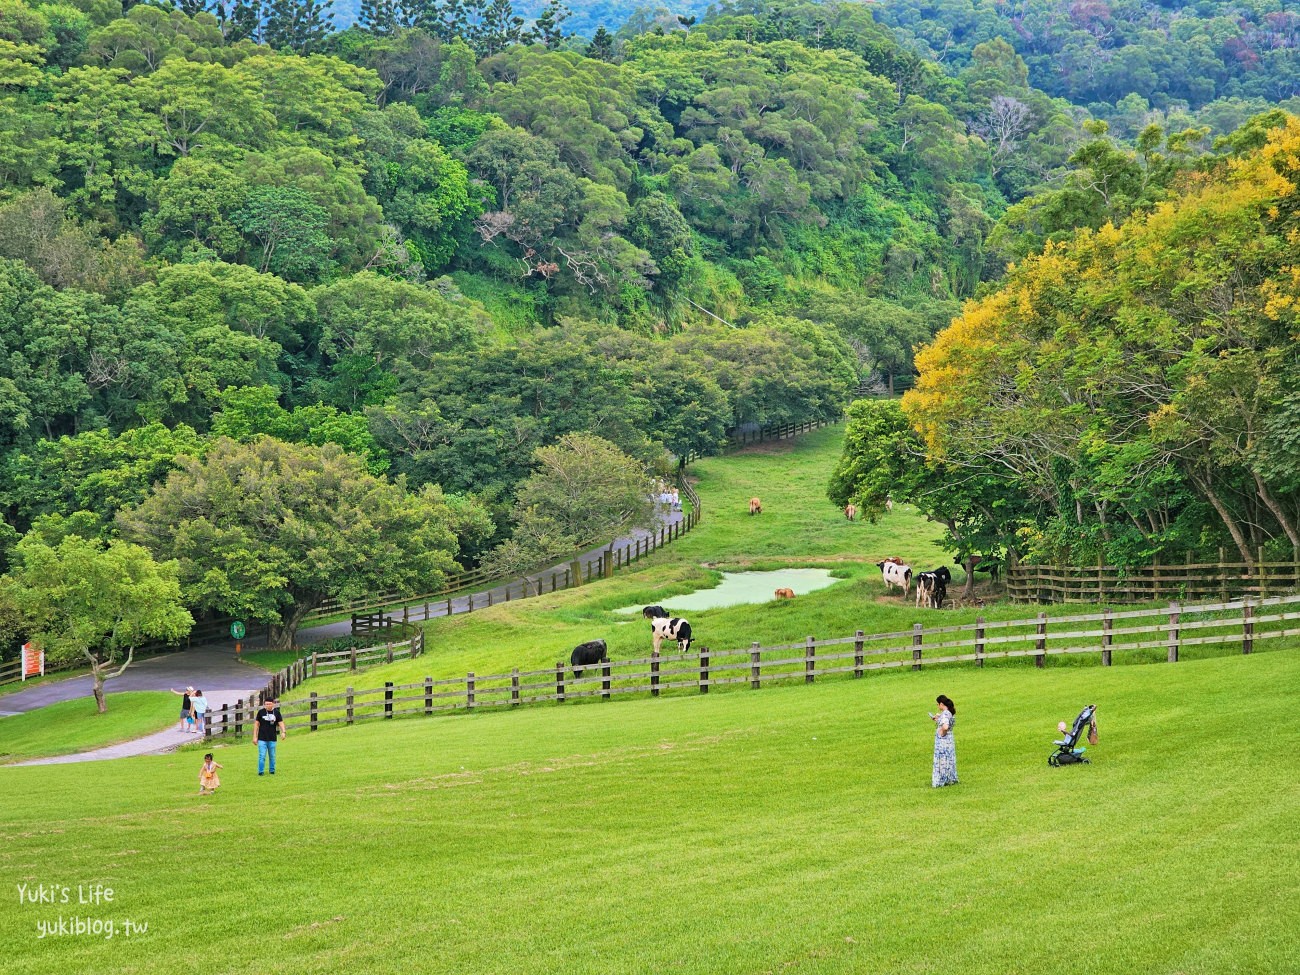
x=788 y=830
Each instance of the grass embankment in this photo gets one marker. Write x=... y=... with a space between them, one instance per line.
x=77 y=726
x=792 y=829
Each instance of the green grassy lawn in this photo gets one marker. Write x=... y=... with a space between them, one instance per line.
x=77 y=726
x=789 y=829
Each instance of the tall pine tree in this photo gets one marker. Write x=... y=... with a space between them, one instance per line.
x=602 y=45
x=300 y=26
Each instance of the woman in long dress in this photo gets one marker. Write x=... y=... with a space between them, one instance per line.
x=945 y=750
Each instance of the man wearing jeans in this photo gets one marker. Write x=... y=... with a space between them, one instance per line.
x=270 y=728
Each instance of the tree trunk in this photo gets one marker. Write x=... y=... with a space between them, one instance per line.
x=1267 y=497
x=281 y=635
x=99 y=688
x=1231 y=523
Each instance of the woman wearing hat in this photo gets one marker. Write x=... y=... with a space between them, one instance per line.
x=186 y=706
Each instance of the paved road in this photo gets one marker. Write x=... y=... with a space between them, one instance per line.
x=212 y=669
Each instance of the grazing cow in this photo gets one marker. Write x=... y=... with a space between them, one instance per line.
x=675 y=628
x=785 y=594
x=850 y=511
x=889 y=504
x=895 y=574
x=654 y=612
x=586 y=654
x=755 y=506
x=932 y=587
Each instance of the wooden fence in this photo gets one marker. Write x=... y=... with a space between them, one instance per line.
x=1191 y=580
x=1139 y=634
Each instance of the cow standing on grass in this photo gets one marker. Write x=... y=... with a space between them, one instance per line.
x=587 y=654
x=850 y=511
x=755 y=506
x=895 y=573
x=671 y=628
x=932 y=587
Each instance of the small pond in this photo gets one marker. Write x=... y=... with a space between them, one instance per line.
x=738 y=588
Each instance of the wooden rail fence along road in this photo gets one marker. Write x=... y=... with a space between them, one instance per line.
x=1160 y=633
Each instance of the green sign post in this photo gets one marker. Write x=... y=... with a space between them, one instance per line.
x=237 y=630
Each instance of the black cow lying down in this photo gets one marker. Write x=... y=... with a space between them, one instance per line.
x=654 y=612
x=586 y=654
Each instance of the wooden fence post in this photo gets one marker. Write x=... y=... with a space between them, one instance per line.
x=448 y=613
x=313 y=663
x=916 y=646
x=312 y=706
x=1263 y=574
x=349 y=703
x=1155 y=577
x=809 y=660
x=239 y=715
x=354 y=657
x=1223 y=576
x=559 y=681
x=469 y=691
x=979 y=641
x=1247 y=627
x=514 y=687
x=755 y=678
x=654 y=673
x=704 y=670
x=389 y=647
x=225 y=718
x=604 y=678
x=428 y=695
x=388 y=699
x=1040 y=643
x=1173 y=633
x=858 y=648
x=1107 y=636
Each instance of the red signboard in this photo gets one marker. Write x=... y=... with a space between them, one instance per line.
x=33 y=661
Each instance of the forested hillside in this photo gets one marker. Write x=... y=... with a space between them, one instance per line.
x=1221 y=59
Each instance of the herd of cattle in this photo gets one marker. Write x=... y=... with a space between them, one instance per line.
x=931 y=590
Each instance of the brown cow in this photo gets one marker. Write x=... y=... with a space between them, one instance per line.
x=785 y=594
x=755 y=506
x=850 y=511
x=889 y=504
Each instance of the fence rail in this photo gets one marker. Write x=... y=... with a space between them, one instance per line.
x=1114 y=584
x=1147 y=633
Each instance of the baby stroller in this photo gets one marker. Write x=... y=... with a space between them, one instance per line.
x=1067 y=752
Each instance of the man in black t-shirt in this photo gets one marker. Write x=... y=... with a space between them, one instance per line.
x=270 y=728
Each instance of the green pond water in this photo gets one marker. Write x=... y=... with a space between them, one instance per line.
x=738 y=588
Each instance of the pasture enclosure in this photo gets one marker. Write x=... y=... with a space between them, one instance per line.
x=1137 y=635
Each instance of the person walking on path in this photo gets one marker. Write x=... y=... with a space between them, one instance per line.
x=185 y=704
x=199 y=705
x=945 y=750
x=270 y=728
x=209 y=781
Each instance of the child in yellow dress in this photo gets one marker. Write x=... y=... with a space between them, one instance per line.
x=208 y=780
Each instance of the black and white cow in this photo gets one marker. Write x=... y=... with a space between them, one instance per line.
x=586 y=654
x=932 y=587
x=671 y=628
x=654 y=612
x=895 y=574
